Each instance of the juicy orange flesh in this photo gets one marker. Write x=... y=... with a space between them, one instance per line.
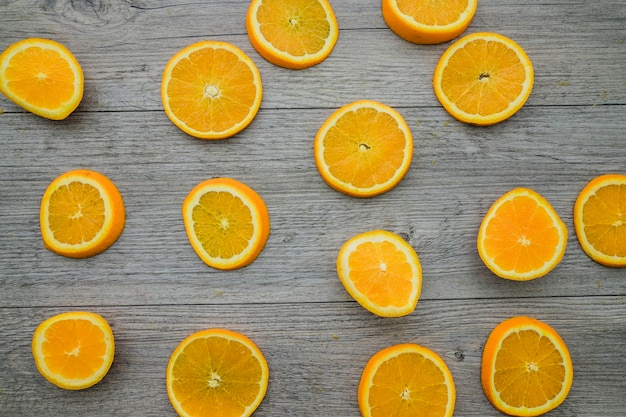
x=529 y=370
x=223 y=224
x=41 y=77
x=76 y=213
x=364 y=148
x=380 y=271
x=484 y=77
x=604 y=217
x=433 y=12
x=211 y=90
x=74 y=349
x=521 y=236
x=297 y=27
x=214 y=373
x=408 y=385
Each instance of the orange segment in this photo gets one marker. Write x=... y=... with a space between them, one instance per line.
x=216 y=370
x=73 y=350
x=41 y=76
x=600 y=219
x=293 y=34
x=363 y=149
x=526 y=367
x=211 y=90
x=382 y=272
x=82 y=214
x=406 y=380
x=428 y=21
x=483 y=78
x=521 y=237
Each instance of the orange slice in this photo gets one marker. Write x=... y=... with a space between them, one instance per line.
x=526 y=367
x=227 y=223
x=600 y=219
x=41 y=76
x=483 y=78
x=521 y=237
x=73 y=350
x=216 y=372
x=292 y=34
x=406 y=380
x=211 y=90
x=428 y=21
x=382 y=272
x=363 y=149
x=82 y=214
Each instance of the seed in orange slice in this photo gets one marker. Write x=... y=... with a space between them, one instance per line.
x=521 y=237
x=382 y=272
x=227 y=223
x=41 y=76
x=526 y=367
x=483 y=78
x=600 y=219
x=292 y=34
x=406 y=380
x=211 y=90
x=428 y=21
x=363 y=149
x=73 y=350
x=82 y=214
x=216 y=372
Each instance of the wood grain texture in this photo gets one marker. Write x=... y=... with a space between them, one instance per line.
x=153 y=288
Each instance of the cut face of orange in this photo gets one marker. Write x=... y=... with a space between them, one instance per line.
x=41 y=76
x=363 y=149
x=600 y=219
x=382 y=272
x=211 y=90
x=73 y=350
x=526 y=367
x=293 y=34
x=227 y=223
x=521 y=237
x=216 y=372
x=483 y=78
x=406 y=380
x=428 y=21
x=82 y=214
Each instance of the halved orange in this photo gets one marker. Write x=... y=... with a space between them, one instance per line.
x=521 y=237
x=363 y=149
x=382 y=272
x=73 y=350
x=406 y=380
x=211 y=90
x=227 y=222
x=483 y=78
x=600 y=219
x=82 y=214
x=293 y=34
x=216 y=372
x=526 y=367
x=428 y=21
x=42 y=76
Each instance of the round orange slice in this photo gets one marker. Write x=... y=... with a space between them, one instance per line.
x=41 y=76
x=363 y=149
x=526 y=367
x=600 y=219
x=292 y=34
x=82 y=214
x=73 y=350
x=211 y=90
x=483 y=78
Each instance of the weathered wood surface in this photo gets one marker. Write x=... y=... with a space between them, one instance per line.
x=154 y=290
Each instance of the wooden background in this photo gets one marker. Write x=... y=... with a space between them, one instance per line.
x=154 y=290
